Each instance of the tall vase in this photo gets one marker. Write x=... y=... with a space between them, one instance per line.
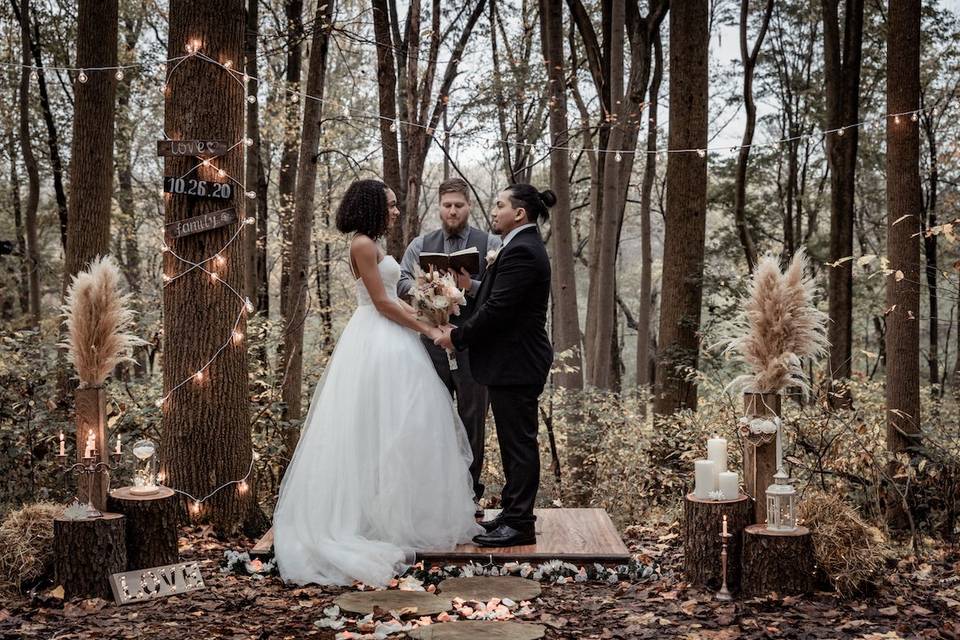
x=760 y=454
x=91 y=411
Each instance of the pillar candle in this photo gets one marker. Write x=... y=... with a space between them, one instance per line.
x=717 y=452
x=118 y=443
x=63 y=451
x=729 y=484
x=705 y=478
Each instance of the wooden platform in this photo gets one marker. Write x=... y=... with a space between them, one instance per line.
x=577 y=535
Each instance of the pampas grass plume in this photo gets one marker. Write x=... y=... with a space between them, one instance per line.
x=98 y=319
x=780 y=327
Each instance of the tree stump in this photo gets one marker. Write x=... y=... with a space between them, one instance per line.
x=760 y=459
x=702 y=524
x=780 y=561
x=86 y=552
x=151 y=526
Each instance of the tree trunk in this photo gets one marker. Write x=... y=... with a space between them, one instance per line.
x=32 y=256
x=842 y=79
x=904 y=203
x=206 y=438
x=287 y=179
x=682 y=287
x=702 y=545
x=151 y=530
x=749 y=59
x=646 y=250
x=87 y=552
x=782 y=562
x=23 y=285
x=91 y=161
x=930 y=253
x=252 y=166
x=566 y=319
x=298 y=295
x=760 y=457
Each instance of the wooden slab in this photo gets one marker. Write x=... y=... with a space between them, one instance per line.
x=426 y=604
x=579 y=536
x=478 y=630
x=485 y=588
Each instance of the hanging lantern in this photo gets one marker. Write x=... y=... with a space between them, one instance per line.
x=781 y=504
x=145 y=475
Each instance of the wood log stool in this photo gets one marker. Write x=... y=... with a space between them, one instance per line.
x=87 y=552
x=780 y=561
x=702 y=524
x=151 y=526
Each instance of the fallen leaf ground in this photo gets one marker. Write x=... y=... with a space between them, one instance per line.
x=917 y=599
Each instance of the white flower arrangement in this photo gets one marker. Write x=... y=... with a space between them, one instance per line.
x=492 y=256
x=759 y=426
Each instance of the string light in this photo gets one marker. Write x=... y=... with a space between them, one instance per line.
x=248 y=306
x=198 y=377
x=221 y=173
x=915 y=116
x=251 y=194
x=34 y=75
x=896 y=119
x=214 y=277
x=248 y=142
x=250 y=220
x=119 y=74
x=242 y=487
x=251 y=98
x=618 y=157
x=840 y=131
x=228 y=64
x=82 y=77
x=393 y=126
x=702 y=153
x=237 y=337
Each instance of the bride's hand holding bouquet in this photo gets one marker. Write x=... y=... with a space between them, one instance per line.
x=436 y=297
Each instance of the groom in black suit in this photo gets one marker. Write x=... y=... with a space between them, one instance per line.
x=511 y=353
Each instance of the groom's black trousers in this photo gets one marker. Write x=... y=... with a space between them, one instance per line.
x=515 y=413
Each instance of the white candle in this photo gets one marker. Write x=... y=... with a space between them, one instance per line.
x=118 y=444
x=717 y=451
x=91 y=445
x=63 y=451
x=729 y=484
x=705 y=478
x=724 y=524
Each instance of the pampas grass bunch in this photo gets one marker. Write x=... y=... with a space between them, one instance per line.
x=26 y=544
x=780 y=326
x=98 y=319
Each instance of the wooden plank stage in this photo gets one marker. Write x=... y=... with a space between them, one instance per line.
x=579 y=536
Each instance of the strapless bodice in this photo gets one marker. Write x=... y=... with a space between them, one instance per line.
x=389 y=272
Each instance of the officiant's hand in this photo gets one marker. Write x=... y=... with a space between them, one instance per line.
x=464 y=281
x=444 y=340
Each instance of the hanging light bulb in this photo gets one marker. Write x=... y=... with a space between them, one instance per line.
x=393 y=126
x=221 y=173
x=248 y=305
x=702 y=153
x=163 y=89
x=915 y=116
x=840 y=131
x=242 y=487
x=248 y=142
x=166 y=278
x=198 y=377
x=228 y=64
x=159 y=403
x=250 y=220
x=82 y=77
x=119 y=74
x=251 y=98
x=618 y=157
x=34 y=75
x=214 y=277
x=195 y=507
x=251 y=194
x=896 y=119
x=219 y=260
x=237 y=336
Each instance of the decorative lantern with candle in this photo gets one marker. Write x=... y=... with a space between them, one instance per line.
x=145 y=475
x=781 y=504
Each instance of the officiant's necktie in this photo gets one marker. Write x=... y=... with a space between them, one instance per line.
x=453 y=243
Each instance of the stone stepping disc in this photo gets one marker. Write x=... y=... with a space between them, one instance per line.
x=363 y=602
x=483 y=588
x=478 y=630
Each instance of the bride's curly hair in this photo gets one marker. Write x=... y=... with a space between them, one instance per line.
x=363 y=209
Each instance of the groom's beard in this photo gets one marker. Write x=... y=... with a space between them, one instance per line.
x=450 y=230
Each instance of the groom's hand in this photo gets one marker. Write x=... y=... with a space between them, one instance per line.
x=464 y=281
x=444 y=340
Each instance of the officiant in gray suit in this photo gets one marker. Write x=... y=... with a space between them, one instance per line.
x=456 y=234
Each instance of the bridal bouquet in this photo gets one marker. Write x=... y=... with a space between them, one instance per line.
x=436 y=297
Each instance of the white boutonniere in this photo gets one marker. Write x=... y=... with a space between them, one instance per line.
x=492 y=256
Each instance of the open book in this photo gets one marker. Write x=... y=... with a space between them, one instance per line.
x=468 y=259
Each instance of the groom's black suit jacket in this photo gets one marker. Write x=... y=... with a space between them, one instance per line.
x=507 y=333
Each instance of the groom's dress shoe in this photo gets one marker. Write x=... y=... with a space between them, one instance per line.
x=506 y=536
x=491 y=524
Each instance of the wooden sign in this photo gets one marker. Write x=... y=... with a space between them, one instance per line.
x=158 y=582
x=198 y=224
x=206 y=148
x=195 y=187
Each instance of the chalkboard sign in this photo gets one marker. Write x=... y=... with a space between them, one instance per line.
x=198 y=224
x=195 y=187
x=207 y=148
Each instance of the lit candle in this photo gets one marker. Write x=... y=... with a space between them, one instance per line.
x=724 y=524
x=729 y=484
x=705 y=478
x=91 y=445
x=63 y=451
x=717 y=451
x=117 y=451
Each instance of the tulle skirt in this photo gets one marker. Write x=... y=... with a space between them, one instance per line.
x=382 y=466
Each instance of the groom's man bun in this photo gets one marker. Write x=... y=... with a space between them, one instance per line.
x=363 y=209
x=535 y=203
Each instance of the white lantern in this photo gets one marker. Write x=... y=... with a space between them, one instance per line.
x=145 y=475
x=781 y=504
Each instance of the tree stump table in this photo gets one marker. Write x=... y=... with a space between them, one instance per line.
x=151 y=526
x=86 y=552
x=780 y=561
x=702 y=545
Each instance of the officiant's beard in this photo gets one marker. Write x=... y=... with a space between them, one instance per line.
x=449 y=230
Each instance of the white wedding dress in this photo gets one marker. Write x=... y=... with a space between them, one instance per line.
x=382 y=467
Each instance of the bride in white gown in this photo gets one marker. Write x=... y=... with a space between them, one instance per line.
x=382 y=466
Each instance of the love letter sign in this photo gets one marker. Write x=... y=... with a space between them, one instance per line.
x=147 y=584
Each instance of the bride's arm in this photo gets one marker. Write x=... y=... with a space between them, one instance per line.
x=365 y=255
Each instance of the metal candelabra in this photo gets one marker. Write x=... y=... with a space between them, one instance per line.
x=724 y=593
x=87 y=469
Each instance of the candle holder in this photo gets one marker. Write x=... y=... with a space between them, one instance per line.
x=86 y=470
x=724 y=593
